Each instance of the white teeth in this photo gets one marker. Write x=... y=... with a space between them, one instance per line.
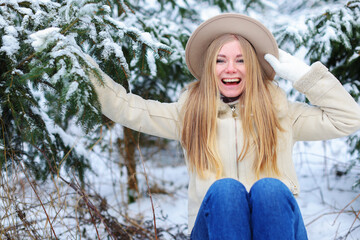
x=231 y=80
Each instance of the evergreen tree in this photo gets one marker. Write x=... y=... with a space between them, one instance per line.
x=333 y=37
x=45 y=91
x=44 y=84
x=170 y=22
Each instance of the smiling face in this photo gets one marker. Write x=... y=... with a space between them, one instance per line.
x=230 y=69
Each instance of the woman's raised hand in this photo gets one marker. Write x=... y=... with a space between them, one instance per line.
x=287 y=66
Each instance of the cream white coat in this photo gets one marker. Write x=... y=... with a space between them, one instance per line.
x=333 y=113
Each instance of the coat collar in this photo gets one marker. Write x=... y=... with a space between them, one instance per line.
x=279 y=100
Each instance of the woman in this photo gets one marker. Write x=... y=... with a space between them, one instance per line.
x=237 y=128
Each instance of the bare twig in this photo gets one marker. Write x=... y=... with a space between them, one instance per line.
x=147 y=183
x=324 y=214
x=352 y=225
x=37 y=195
x=101 y=136
x=351 y=230
x=337 y=230
x=89 y=204
x=78 y=190
x=342 y=210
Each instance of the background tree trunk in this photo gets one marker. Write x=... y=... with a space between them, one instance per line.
x=130 y=163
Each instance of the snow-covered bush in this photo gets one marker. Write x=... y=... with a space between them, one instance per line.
x=44 y=86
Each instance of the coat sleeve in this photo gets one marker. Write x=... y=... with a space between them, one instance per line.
x=333 y=112
x=132 y=111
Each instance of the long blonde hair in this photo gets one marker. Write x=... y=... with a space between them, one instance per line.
x=259 y=122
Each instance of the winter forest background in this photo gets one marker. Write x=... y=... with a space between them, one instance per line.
x=68 y=172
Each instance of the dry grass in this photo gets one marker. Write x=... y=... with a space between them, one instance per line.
x=59 y=209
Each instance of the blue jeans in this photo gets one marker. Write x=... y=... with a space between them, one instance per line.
x=268 y=211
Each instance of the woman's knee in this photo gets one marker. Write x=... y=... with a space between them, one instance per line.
x=270 y=189
x=227 y=188
x=272 y=205
x=271 y=193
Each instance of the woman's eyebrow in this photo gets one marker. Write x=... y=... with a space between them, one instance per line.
x=224 y=56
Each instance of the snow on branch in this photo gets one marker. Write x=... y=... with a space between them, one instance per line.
x=336 y=26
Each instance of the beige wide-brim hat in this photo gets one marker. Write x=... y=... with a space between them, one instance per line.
x=250 y=29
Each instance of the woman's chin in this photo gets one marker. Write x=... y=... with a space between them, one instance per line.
x=231 y=94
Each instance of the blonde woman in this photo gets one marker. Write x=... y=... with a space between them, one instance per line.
x=237 y=128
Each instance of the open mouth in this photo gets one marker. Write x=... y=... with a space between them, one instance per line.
x=231 y=81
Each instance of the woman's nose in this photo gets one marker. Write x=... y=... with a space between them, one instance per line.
x=230 y=67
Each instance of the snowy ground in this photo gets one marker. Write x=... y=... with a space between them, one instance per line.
x=323 y=196
x=328 y=203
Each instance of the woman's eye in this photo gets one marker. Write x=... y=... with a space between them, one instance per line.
x=240 y=60
x=219 y=61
